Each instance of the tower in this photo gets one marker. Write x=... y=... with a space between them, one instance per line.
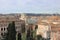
x=23 y=16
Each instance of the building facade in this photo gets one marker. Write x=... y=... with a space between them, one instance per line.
x=48 y=25
x=6 y=19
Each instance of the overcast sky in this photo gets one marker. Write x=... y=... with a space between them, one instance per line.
x=29 y=6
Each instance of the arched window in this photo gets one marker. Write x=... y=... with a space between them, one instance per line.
x=1 y=29
x=4 y=29
x=1 y=34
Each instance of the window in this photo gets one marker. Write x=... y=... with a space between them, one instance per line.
x=1 y=29
x=4 y=29
x=1 y=34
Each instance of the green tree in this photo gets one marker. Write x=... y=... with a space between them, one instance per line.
x=19 y=36
x=23 y=33
x=11 y=34
x=39 y=37
x=23 y=28
x=30 y=33
x=36 y=26
x=34 y=32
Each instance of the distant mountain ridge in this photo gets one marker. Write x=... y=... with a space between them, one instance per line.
x=30 y=14
x=43 y=14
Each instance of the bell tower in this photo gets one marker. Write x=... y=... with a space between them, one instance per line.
x=23 y=16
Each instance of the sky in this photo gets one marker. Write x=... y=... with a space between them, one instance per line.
x=29 y=6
